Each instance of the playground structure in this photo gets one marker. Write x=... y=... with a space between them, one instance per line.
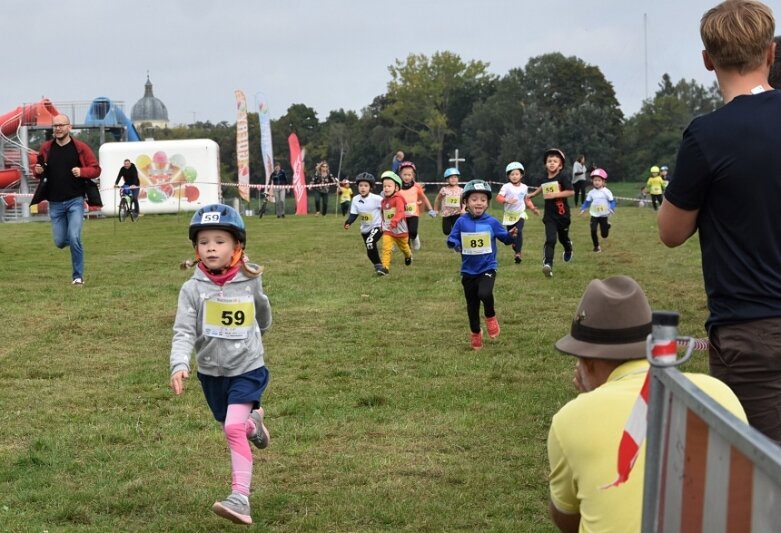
x=17 y=181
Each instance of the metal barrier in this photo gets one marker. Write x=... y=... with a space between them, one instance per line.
x=705 y=470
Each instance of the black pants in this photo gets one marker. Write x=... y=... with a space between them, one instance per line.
x=448 y=223
x=557 y=227
x=604 y=229
x=518 y=240
x=412 y=225
x=657 y=198
x=580 y=190
x=372 y=242
x=478 y=289
x=321 y=201
x=344 y=207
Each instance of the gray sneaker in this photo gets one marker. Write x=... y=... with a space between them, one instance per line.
x=547 y=270
x=261 y=437
x=234 y=509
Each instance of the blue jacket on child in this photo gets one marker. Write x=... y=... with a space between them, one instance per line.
x=476 y=238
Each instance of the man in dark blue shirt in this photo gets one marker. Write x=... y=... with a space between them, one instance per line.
x=727 y=186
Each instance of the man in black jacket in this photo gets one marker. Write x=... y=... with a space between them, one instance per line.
x=129 y=173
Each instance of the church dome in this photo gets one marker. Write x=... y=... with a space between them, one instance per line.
x=149 y=109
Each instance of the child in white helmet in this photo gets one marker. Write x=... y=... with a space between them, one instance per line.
x=600 y=204
x=221 y=316
x=448 y=200
x=515 y=197
x=655 y=186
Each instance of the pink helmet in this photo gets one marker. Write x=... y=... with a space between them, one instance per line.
x=599 y=173
x=408 y=164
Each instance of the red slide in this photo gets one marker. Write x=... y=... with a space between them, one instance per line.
x=38 y=114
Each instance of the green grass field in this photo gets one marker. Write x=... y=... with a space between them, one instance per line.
x=382 y=418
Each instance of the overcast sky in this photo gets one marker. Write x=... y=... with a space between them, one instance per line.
x=326 y=54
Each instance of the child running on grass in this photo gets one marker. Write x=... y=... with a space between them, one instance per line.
x=367 y=207
x=448 y=200
x=555 y=189
x=600 y=204
x=414 y=197
x=515 y=197
x=394 y=223
x=656 y=185
x=221 y=315
x=345 y=195
x=474 y=236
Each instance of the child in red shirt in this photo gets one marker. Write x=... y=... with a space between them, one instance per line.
x=394 y=224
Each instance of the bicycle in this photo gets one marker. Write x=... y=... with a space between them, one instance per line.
x=263 y=204
x=125 y=204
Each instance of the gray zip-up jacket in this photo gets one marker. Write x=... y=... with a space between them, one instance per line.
x=218 y=356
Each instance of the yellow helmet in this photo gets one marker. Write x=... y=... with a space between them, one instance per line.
x=655 y=170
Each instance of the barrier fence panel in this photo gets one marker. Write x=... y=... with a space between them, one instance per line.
x=706 y=470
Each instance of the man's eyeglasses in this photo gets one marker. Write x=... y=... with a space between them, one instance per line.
x=59 y=125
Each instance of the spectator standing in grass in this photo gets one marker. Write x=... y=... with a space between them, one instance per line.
x=727 y=188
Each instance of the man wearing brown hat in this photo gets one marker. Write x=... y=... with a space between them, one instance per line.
x=608 y=337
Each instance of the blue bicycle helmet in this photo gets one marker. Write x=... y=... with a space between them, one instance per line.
x=452 y=172
x=218 y=216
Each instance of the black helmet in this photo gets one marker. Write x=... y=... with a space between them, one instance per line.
x=365 y=176
x=218 y=216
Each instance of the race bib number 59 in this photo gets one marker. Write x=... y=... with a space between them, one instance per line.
x=229 y=318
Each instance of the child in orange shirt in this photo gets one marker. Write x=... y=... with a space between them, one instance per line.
x=413 y=197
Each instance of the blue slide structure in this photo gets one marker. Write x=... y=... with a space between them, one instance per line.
x=103 y=112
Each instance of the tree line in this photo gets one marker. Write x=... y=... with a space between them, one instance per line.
x=436 y=104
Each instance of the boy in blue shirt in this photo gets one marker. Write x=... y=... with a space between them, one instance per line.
x=474 y=235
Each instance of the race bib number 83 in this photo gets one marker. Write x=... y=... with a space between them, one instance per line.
x=477 y=243
x=229 y=318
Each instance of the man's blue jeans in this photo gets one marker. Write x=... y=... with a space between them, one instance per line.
x=67 y=218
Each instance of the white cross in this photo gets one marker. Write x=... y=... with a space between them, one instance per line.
x=456 y=159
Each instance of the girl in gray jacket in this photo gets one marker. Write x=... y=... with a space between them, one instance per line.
x=221 y=316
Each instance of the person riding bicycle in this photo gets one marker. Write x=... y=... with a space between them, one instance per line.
x=129 y=174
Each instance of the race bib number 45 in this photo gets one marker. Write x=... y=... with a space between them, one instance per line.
x=477 y=243
x=229 y=318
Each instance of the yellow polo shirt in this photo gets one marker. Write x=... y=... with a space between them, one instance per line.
x=583 y=450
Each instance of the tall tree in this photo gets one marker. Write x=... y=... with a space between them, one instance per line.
x=421 y=95
x=554 y=101
x=652 y=136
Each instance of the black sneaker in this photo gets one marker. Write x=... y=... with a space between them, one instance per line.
x=597 y=249
x=567 y=256
x=382 y=271
x=408 y=260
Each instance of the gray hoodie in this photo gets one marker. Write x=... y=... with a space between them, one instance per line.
x=217 y=356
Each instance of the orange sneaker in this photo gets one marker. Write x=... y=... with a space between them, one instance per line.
x=492 y=325
x=477 y=340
